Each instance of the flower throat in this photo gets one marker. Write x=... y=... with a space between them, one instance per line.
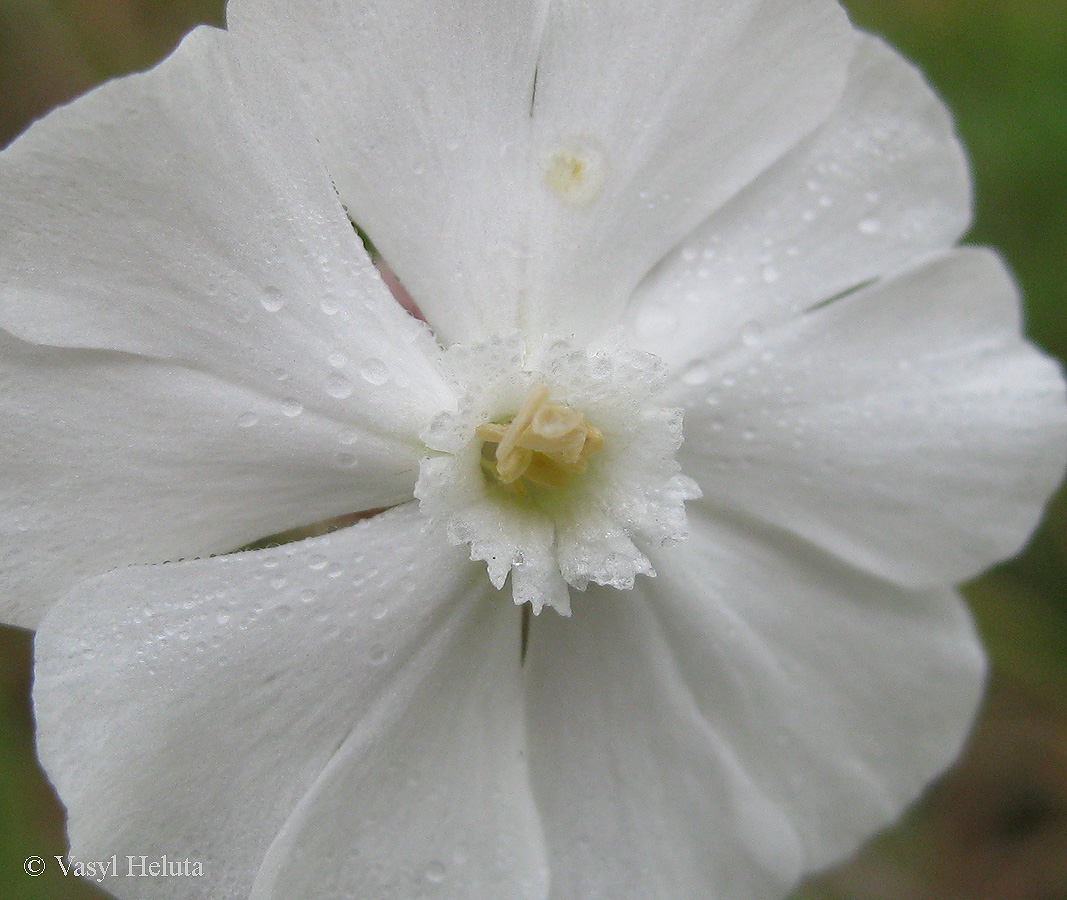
x=544 y=446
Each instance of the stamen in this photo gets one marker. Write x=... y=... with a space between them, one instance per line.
x=519 y=424
x=545 y=445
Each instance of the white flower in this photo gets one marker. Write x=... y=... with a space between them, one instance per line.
x=629 y=224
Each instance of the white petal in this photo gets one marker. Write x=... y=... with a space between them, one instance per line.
x=113 y=459
x=907 y=428
x=215 y=710
x=671 y=108
x=431 y=797
x=751 y=714
x=882 y=182
x=450 y=130
x=423 y=111
x=185 y=214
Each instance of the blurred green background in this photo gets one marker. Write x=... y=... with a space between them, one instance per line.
x=995 y=828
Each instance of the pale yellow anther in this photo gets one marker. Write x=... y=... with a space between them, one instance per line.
x=545 y=444
x=521 y=421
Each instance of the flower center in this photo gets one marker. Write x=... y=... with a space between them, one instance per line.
x=547 y=499
x=544 y=446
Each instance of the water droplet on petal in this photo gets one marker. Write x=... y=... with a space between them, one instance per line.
x=347 y=460
x=375 y=372
x=338 y=386
x=697 y=373
x=435 y=872
x=752 y=334
x=292 y=407
x=272 y=300
x=247 y=420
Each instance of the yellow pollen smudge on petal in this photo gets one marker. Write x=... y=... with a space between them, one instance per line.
x=545 y=444
x=575 y=173
x=565 y=171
